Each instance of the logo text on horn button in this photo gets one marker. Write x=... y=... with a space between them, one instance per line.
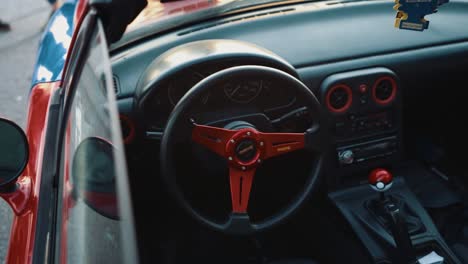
x=246 y=150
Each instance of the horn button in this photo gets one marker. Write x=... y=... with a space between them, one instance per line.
x=246 y=150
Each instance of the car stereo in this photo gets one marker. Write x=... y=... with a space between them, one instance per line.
x=362 y=152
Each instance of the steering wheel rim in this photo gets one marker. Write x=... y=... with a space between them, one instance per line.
x=314 y=140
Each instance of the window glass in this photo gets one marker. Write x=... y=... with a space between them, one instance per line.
x=95 y=211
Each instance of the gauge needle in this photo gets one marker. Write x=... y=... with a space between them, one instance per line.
x=205 y=99
x=235 y=90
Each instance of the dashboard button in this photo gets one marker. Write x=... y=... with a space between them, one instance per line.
x=363 y=88
x=364 y=99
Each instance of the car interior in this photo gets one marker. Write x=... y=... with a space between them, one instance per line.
x=377 y=176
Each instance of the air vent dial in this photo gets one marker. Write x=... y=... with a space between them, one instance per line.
x=339 y=98
x=384 y=90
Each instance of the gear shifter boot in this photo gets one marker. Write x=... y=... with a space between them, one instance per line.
x=378 y=210
x=399 y=229
x=394 y=215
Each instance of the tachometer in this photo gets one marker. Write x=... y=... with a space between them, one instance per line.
x=243 y=92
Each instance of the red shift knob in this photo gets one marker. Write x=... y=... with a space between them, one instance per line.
x=380 y=180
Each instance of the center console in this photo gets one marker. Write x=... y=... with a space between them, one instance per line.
x=364 y=109
x=397 y=238
x=365 y=113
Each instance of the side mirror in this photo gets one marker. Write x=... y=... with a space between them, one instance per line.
x=93 y=176
x=14 y=153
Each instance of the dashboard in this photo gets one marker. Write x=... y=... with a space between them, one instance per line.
x=348 y=53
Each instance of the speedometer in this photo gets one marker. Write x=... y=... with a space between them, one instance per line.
x=180 y=85
x=243 y=92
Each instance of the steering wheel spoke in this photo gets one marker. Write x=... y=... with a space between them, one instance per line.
x=281 y=143
x=241 y=184
x=213 y=138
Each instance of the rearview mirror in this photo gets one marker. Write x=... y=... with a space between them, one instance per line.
x=93 y=174
x=14 y=152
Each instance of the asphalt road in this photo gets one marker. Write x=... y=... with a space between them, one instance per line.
x=18 y=50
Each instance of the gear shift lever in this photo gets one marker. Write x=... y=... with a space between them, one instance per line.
x=381 y=181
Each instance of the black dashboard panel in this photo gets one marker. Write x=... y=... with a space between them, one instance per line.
x=307 y=35
x=327 y=38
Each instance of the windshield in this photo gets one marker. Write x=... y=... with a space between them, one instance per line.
x=157 y=11
x=160 y=11
x=165 y=16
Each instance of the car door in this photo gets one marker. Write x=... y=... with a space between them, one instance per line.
x=93 y=216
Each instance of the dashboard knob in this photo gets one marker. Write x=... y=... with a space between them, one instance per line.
x=346 y=157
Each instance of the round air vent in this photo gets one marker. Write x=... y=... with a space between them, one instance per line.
x=339 y=98
x=384 y=90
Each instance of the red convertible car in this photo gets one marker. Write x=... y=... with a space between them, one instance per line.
x=254 y=131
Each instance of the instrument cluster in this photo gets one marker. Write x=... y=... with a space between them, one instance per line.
x=248 y=94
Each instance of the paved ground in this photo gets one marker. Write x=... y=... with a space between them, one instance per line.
x=17 y=56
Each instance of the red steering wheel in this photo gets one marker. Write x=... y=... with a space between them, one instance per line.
x=244 y=149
